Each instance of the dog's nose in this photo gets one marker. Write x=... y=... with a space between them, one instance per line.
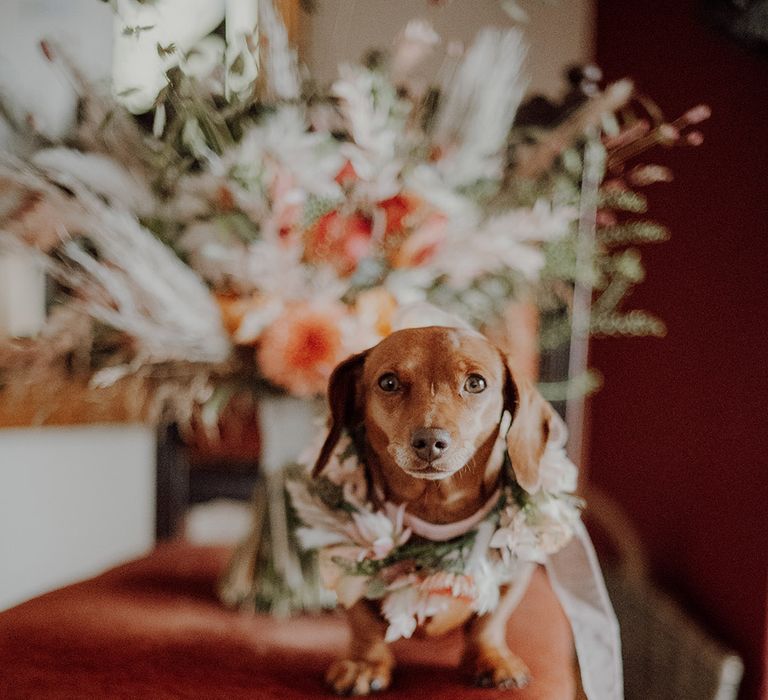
x=430 y=443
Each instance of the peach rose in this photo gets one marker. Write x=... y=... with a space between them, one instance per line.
x=299 y=350
x=341 y=240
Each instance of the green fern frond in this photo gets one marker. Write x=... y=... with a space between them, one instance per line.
x=622 y=200
x=631 y=324
x=628 y=265
x=635 y=232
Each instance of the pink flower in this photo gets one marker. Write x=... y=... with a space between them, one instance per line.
x=340 y=240
x=299 y=350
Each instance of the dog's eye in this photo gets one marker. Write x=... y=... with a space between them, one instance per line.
x=389 y=382
x=475 y=384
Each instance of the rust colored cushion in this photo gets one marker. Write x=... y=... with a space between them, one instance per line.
x=153 y=628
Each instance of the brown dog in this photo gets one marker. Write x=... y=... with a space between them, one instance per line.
x=431 y=401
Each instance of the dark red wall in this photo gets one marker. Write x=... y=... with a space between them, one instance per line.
x=679 y=431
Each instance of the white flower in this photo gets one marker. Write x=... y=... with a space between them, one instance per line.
x=282 y=73
x=374 y=533
x=543 y=527
x=322 y=526
x=553 y=521
x=312 y=159
x=425 y=181
x=140 y=287
x=367 y=102
x=242 y=33
x=378 y=532
x=399 y=609
x=514 y=538
x=150 y=38
x=508 y=242
x=479 y=105
x=373 y=115
x=486 y=592
x=411 y=600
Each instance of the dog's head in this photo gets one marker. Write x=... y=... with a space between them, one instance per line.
x=431 y=401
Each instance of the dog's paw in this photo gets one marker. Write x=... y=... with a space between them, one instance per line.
x=358 y=677
x=497 y=669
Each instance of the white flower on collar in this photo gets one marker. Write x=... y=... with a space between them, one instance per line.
x=378 y=533
x=373 y=534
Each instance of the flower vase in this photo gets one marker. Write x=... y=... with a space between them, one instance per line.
x=268 y=572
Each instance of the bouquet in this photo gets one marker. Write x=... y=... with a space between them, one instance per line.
x=253 y=225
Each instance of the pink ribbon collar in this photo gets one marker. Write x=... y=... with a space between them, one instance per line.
x=442 y=532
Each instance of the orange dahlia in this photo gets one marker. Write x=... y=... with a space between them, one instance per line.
x=299 y=350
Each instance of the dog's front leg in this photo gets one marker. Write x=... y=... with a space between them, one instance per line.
x=370 y=663
x=487 y=658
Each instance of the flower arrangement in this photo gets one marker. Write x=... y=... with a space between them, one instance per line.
x=369 y=551
x=246 y=224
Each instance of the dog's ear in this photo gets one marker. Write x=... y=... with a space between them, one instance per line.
x=533 y=421
x=342 y=400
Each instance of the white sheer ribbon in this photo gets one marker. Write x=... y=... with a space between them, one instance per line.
x=575 y=575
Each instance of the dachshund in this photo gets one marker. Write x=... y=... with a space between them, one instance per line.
x=429 y=404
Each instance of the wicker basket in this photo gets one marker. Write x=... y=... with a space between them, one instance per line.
x=666 y=656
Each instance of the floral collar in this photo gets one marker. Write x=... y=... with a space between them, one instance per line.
x=416 y=567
